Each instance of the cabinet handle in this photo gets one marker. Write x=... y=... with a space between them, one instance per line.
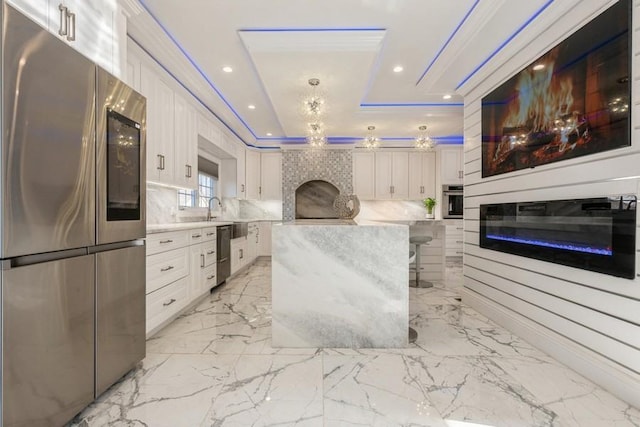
x=171 y=267
x=459 y=174
x=458 y=241
x=196 y=236
x=72 y=26
x=162 y=242
x=201 y=260
x=241 y=254
x=242 y=188
x=159 y=162
x=211 y=277
x=260 y=189
x=211 y=234
x=188 y=171
x=64 y=23
x=458 y=228
x=171 y=301
x=211 y=252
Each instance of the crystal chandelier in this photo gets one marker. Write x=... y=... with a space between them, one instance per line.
x=313 y=105
x=370 y=141
x=313 y=108
x=316 y=138
x=422 y=141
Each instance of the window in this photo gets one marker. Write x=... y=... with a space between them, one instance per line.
x=207 y=186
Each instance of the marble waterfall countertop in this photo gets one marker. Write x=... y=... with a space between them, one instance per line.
x=161 y=228
x=339 y=283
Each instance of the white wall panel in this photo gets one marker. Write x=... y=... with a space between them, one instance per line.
x=583 y=318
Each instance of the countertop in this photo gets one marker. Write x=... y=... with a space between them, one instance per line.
x=160 y=228
x=339 y=222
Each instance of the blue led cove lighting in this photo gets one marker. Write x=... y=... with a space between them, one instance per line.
x=547 y=244
x=504 y=43
x=435 y=58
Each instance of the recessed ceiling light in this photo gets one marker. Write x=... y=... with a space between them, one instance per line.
x=538 y=67
x=447 y=96
x=251 y=107
x=398 y=68
x=269 y=134
x=227 y=69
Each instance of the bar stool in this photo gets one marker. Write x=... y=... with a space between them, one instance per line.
x=418 y=241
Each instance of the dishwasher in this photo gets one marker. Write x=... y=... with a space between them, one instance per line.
x=223 y=253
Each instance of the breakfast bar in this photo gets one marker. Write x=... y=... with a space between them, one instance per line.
x=340 y=284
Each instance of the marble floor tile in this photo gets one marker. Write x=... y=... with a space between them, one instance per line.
x=215 y=366
x=375 y=391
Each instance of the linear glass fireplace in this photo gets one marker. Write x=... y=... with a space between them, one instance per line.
x=596 y=234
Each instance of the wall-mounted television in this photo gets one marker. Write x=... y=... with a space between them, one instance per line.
x=572 y=101
x=597 y=234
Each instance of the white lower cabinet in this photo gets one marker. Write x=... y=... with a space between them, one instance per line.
x=181 y=267
x=239 y=248
x=454 y=239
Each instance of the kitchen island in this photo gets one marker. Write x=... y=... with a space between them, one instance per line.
x=341 y=284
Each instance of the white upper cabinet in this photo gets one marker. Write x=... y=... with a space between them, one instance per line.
x=271 y=176
x=364 y=172
x=452 y=165
x=241 y=186
x=186 y=144
x=252 y=165
x=422 y=175
x=392 y=175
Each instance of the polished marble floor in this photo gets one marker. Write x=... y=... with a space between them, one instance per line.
x=214 y=366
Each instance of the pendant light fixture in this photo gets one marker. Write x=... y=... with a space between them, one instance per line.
x=423 y=141
x=371 y=142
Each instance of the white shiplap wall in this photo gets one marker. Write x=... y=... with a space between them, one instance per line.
x=589 y=321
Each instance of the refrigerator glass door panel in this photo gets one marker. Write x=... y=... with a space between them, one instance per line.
x=48 y=341
x=48 y=142
x=120 y=160
x=123 y=168
x=120 y=313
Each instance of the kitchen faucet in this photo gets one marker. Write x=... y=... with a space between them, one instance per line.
x=209 y=206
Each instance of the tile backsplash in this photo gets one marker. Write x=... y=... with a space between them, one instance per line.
x=300 y=166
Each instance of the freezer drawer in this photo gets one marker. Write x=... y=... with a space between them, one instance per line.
x=120 y=314
x=47 y=342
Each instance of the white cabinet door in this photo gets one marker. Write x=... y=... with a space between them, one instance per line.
x=253 y=175
x=186 y=144
x=271 y=176
x=264 y=239
x=88 y=27
x=364 y=173
x=400 y=175
x=165 y=135
x=37 y=10
x=384 y=170
x=241 y=189
x=451 y=166
x=132 y=73
x=195 y=279
x=148 y=89
x=422 y=175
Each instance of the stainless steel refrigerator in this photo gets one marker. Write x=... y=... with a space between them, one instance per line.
x=72 y=219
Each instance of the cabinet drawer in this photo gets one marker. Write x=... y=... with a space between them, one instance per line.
x=209 y=234
x=209 y=252
x=209 y=277
x=160 y=242
x=196 y=236
x=165 y=302
x=166 y=267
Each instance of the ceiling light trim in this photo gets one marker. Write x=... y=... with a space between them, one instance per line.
x=200 y=71
x=446 y=43
x=284 y=29
x=506 y=42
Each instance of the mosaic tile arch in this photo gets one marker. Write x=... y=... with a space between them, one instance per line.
x=300 y=166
